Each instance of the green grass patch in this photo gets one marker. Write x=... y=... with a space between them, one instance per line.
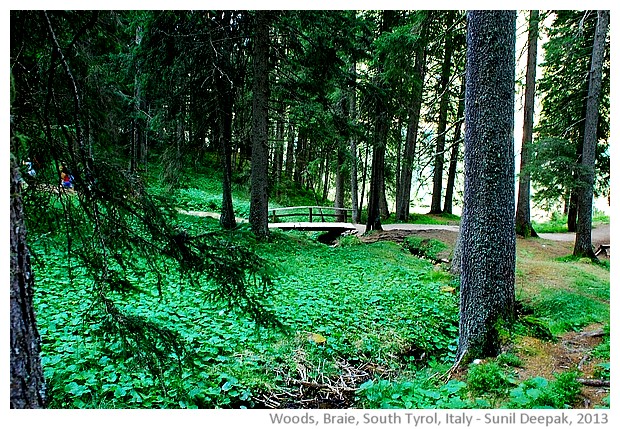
x=566 y=311
x=427 y=219
x=424 y=247
x=559 y=222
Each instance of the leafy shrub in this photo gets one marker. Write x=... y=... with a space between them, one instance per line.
x=413 y=394
x=538 y=392
x=487 y=378
x=349 y=240
x=602 y=371
x=509 y=359
x=424 y=247
x=603 y=349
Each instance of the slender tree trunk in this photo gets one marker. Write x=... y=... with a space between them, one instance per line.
x=339 y=196
x=278 y=154
x=374 y=199
x=573 y=206
x=403 y=193
x=290 y=152
x=355 y=215
x=523 y=223
x=382 y=120
x=454 y=154
x=488 y=231
x=444 y=90
x=27 y=380
x=573 y=202
x=583 y=239
x=259 y=198
x=300 y=159
x=325 y=174
x=227 y=217
x=399 y=146
x=364 y=175
x=383 y=204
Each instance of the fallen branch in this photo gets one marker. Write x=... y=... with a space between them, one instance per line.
x=322 y=385
x=593 y=382
x=597 y=333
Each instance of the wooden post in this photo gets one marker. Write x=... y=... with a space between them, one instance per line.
x=310 y=208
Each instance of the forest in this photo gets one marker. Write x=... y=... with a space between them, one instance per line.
x=181 y=180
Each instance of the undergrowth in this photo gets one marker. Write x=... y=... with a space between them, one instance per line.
x=361 y=305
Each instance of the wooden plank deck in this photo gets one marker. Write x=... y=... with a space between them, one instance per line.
x=313 y=226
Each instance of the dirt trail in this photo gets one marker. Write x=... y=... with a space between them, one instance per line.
x=600 y=235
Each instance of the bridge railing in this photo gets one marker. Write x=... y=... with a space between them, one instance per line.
x=311 y=212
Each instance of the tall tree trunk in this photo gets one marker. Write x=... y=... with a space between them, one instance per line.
x=227 y=217
x=290 y=152
x=325 y=173
x=444 y=90
x=382 y=120
x=583 y=239
x=403 y=193
x=300 y=159
x=259 y=198
x=137 y=105
x=454 y=154
x=364 y=175
x=573 y=202
x=355 y=215
x=27 y=380
x=278 y=154
x=523 y=223
x=339 y=196
x=573 y=206
x=373 y=223
x=488 y=232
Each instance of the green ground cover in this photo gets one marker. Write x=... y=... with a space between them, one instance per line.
x=352 y=305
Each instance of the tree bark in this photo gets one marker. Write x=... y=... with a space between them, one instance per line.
x=403 y=193
x=454 y=154
x=325 y=174
x=364 y=175
x=355 y=215
x=444 y=90
x=523 y=223
x=227 y=217
x=27 y=380
x=278 y=155
x=583 y=239
x=488 y=231
x=290 y=152
x=382 y=119
x=339 y=196
x=259 y=198
x=300 y=159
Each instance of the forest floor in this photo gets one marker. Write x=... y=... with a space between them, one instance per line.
x=539 y=358
x=536 y=272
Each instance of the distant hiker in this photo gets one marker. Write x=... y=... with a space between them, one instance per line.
x=66 y=179
x=29 y=168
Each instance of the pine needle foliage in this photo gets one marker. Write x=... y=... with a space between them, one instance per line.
x=112 y=226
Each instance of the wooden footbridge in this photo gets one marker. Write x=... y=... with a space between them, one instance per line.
x=318 y=219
